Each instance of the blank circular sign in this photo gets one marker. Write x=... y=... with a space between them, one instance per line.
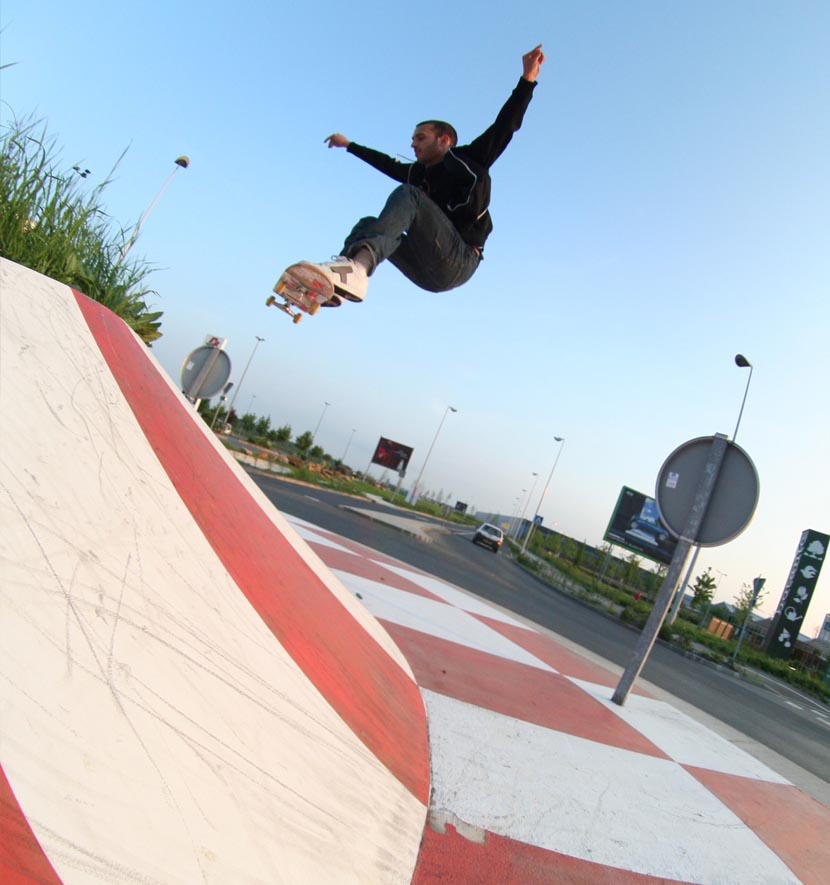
x=217 y=366
x=733 y=500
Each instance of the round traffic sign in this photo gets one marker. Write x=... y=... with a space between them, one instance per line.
x=205 y=372
x=732 y=502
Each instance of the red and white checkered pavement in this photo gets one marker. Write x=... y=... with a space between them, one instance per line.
x=538 y=777
x=188 y=694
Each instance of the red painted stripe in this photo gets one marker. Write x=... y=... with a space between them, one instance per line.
x=501 y=861
x=363 y=567
x=21 y=857
x=513 y=689
x=378 y=701
x=555 y=655
x=791 y=823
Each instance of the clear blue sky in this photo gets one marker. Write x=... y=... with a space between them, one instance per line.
x=665 y=206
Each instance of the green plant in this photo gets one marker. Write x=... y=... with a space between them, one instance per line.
x=49 y=225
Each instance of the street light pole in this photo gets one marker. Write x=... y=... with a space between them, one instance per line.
x=343 y=459
x=524 y=509
x=417 y=485
x=742 y=362
x=530 y=531
x=180 y=163
x=514 y=516
x=244 y=372
x=314 y=435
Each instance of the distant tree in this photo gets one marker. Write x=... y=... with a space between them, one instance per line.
x=743 y=600
x=283 y=434
x=247 y=422
x=316 y=452
x=263 y=425
x=304 y=442
x=632 y=571
x=703 y=589
x=567 y=549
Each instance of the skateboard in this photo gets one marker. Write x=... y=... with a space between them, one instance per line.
x=301 y=289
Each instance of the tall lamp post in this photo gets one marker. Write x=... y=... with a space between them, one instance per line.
x=314 y=435
x=244 y=372
x=179 y=163
x=742 y=362
x=530 y=531
x=423 y=466
x=514 y=516
x=343 y=459
x=524 y=509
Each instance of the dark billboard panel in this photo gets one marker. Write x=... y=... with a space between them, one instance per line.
x=636 y=526
x=391 y=454
x=798 y=591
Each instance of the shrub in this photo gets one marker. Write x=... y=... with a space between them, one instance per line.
x=49 y=225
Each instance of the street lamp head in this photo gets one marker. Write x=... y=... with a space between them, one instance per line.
x=559 y=439
x=742 y=362
x=453 y=409
x=184 y=162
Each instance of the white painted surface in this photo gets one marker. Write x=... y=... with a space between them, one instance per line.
x=680 y=737
x=587 y=800
x=435 y=618
x=152 y=727
x=309 y=534
x=457 y=597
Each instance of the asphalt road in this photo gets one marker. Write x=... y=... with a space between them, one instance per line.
x=791 y=724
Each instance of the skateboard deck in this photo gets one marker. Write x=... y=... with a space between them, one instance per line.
x=301 y=288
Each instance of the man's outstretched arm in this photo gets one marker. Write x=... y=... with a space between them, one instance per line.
x=382 y=162
x=488 y=147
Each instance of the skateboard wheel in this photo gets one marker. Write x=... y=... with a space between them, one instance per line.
x=297 y=318
x=271 y=300
x=313 y=309
x=280 y=287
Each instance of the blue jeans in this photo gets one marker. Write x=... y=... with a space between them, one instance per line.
x=418 y=238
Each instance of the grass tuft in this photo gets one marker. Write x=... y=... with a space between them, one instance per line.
x=49 y=224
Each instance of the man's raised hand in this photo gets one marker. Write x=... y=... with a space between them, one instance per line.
x=531 y=62
x=337 y=140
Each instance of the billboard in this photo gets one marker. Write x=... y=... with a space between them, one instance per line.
x=636 y=526
x=391 y=454
x=798 y=591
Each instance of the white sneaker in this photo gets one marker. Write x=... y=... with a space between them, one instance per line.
x=349 y=278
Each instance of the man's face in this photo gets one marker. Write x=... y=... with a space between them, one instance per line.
x=428 y=147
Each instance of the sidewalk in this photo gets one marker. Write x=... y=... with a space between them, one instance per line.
x=537 y=776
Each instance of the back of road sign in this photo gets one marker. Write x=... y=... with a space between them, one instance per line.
x=733 y=500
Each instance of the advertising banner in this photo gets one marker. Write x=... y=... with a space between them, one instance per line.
x=798 y=591
x=635 y=526
x=391 y=454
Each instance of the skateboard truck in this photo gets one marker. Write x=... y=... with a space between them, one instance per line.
x=300 y=289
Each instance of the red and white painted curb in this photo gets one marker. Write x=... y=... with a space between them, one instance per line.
x=186 y=693
x=538 y=777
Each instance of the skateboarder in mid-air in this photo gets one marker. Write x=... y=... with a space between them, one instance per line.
x=434 y=225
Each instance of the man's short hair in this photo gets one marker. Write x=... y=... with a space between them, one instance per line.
x=442 y=128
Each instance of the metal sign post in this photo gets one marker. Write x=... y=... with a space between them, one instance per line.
x=705 y=488
x=707 y=492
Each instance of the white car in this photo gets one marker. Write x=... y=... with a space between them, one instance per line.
x=489 y=535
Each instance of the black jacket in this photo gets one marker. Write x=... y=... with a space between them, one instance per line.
x=460 y=183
